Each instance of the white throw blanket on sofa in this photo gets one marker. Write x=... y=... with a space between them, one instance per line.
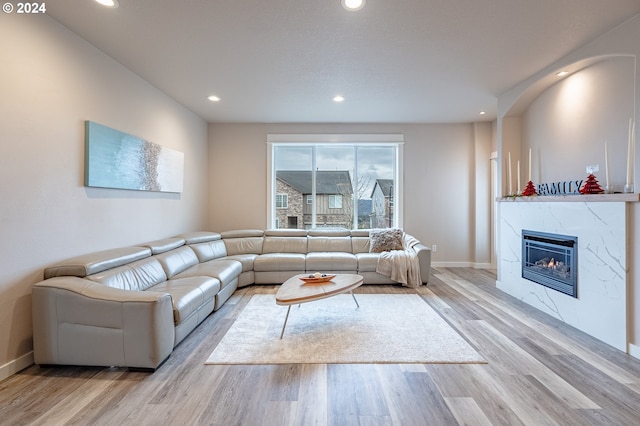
x=401 y=265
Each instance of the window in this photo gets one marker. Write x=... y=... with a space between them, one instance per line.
x=335 y=201
x=335 y=181
x=282 y=201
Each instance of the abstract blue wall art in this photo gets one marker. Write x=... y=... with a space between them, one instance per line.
x=114 y=159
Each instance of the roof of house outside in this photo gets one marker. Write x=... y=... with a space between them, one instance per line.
x=385 y=186
x=327 y=181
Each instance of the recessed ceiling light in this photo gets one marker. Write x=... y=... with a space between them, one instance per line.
x=562 y=73
x=482 y=113
x=109 y=3
x=353 y=5
x=338 y=98
x=214 y=98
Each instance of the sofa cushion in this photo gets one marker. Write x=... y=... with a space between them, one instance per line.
x=92 y=263
x=331 y=261
x=138 y=276
x=280 y=262
x=177 y=260
x=188 y=294
x=209 y=250
x=225 y=270
x=385 y=240
x=367 y=262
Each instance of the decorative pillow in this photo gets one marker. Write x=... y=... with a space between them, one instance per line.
x=385 y=240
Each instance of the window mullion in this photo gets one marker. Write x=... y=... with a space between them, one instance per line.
x=313 y=186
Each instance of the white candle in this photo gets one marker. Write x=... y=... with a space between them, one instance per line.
x=606 y=163
x=529 y=180
x=518 y=187
x=509 y=173
x=633 y=149
x=630 y=153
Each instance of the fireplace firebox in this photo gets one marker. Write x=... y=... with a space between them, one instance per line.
x=551 y=260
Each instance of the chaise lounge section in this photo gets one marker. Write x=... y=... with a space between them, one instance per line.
x=131 y=306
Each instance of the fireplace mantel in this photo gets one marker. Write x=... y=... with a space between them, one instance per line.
x=578 y=198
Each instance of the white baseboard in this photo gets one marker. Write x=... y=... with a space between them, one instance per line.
x=12 y=367
x=483 y=266
x=452 y=264
x=634 y=351
x=462 y=265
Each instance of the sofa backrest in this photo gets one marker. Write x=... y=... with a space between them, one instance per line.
x=209 y=250
x=164 y=245
x=360 y=242
x=248 y=241
x=138 y=275
x=199 y=237
x=92 y=263
x=285 y=241
x=177 y=260
x=323 y=243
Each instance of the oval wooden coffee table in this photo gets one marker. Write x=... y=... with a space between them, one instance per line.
x=295 y=291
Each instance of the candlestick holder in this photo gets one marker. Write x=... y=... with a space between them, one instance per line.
x=628 y=188
x=608 y=189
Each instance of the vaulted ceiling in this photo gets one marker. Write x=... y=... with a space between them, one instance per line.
x=394 y=61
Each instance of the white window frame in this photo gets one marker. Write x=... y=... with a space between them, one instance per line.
x=285 y=198
x=361 y=139
x=333 y=201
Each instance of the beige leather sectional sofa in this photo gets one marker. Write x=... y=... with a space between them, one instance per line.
x=131 y=306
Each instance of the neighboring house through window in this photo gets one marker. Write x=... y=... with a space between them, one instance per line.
x=335 y=181
x=382 y=203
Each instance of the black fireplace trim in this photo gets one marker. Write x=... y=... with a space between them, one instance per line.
x=570 y=289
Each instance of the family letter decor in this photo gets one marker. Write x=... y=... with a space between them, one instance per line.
x=560 y=188
x=114 y=159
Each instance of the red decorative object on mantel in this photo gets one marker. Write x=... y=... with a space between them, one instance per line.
x=529 y=190
x=592 y=186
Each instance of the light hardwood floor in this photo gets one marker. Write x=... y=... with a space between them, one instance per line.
x=539 y=372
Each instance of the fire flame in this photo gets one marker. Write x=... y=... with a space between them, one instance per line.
x=552 y=264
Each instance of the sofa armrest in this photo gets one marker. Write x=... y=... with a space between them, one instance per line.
x=424 y=259
x=80 y=322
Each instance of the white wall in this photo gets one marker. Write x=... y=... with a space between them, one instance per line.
x=51 y=81
x=482 y=195
x=568 y=124
x=439 y=177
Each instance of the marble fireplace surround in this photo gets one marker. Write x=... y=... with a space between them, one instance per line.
x=601 y=223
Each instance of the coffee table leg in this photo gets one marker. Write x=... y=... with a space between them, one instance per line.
x=354 y=298
x=285 y=321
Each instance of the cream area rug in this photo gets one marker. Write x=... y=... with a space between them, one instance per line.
x=386 y=328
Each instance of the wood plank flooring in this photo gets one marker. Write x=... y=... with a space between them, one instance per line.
x=539 y=372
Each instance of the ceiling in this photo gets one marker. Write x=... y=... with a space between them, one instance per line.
x=394 y=61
